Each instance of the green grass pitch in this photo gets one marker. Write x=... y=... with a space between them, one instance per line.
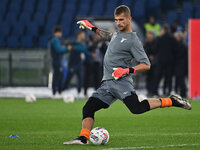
x=46 y=124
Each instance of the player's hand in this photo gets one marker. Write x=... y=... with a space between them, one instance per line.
x=85 y=24
x=120 y=72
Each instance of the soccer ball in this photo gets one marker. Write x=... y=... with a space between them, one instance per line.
x=99 y=136
x=30 y=98
x=69 y=98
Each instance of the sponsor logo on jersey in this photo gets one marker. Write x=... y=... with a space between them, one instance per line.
x=123 y=39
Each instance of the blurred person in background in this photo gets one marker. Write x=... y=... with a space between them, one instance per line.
x=176 y=26
x=57 y=52
x=88 y=71
x=94 y=64
x=165 y=49
x=97 y=57
x=186 y=35
x=181 y=64
x=149 y=47
x=152 y=26
x=75 y=65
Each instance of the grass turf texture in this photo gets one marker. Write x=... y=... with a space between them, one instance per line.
x=46 y=124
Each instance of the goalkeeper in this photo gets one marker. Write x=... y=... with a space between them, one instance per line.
x=124 y=56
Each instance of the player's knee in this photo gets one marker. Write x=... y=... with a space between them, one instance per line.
x=135 y=106
x=87 y=111
x=89 y=108
x=93 y=104
x=140 y=107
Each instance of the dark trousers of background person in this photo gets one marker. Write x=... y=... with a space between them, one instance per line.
x=88 y=73
x=163 y=70
x=180 y=74
x=98 y=73
x=57 y=78
x=76 y=69
x=150 y=80
x=93 y=72
x=167 y=87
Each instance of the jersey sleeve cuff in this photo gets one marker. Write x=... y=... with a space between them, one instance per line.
x=131 y=70
x=95 y=29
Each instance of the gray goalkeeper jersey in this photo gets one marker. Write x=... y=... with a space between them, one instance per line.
x=125 y=50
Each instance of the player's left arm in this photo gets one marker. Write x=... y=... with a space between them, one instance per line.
x=106 y=35
x=140 y=55
x=141 y=68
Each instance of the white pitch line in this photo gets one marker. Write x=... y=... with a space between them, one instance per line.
x=162 y=134
x=151 y=147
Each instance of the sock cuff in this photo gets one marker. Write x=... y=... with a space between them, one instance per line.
x=166 y=102
x=85 y=132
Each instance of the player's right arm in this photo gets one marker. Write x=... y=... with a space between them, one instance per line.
x=102 y=33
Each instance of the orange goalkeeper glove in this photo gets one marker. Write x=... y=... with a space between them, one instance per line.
x=86 y=24
x=120 y=72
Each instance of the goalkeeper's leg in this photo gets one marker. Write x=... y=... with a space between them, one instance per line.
x=137 y=107
x=93 y=104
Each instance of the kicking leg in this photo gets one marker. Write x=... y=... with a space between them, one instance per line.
x=154 y=103
x=87 y=123
x=173 y=100
x=92 y=105
x=137 y=107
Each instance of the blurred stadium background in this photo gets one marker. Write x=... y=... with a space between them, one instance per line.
x=25 y=26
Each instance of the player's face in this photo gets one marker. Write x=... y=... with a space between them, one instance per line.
x=122 y=21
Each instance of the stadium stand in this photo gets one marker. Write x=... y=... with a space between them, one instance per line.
x=32 y=29
x=2 y=41
x=27 y=41
x=3 y=7
x=43 y=40
x=39 y=18
x=15 y=6
x=4 y=29
x=97 y=8
x=13 y=41
x=154 y=8
x=197 y=12
x=139 y=11
x=169 y=4
x=28 y=7
x=11 y=18
x=171 y=17
x=110 y=7
x=32 y=20
x=84 y=8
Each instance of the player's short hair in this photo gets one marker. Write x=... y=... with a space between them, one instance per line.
x=122 y=9
x=57 y=28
